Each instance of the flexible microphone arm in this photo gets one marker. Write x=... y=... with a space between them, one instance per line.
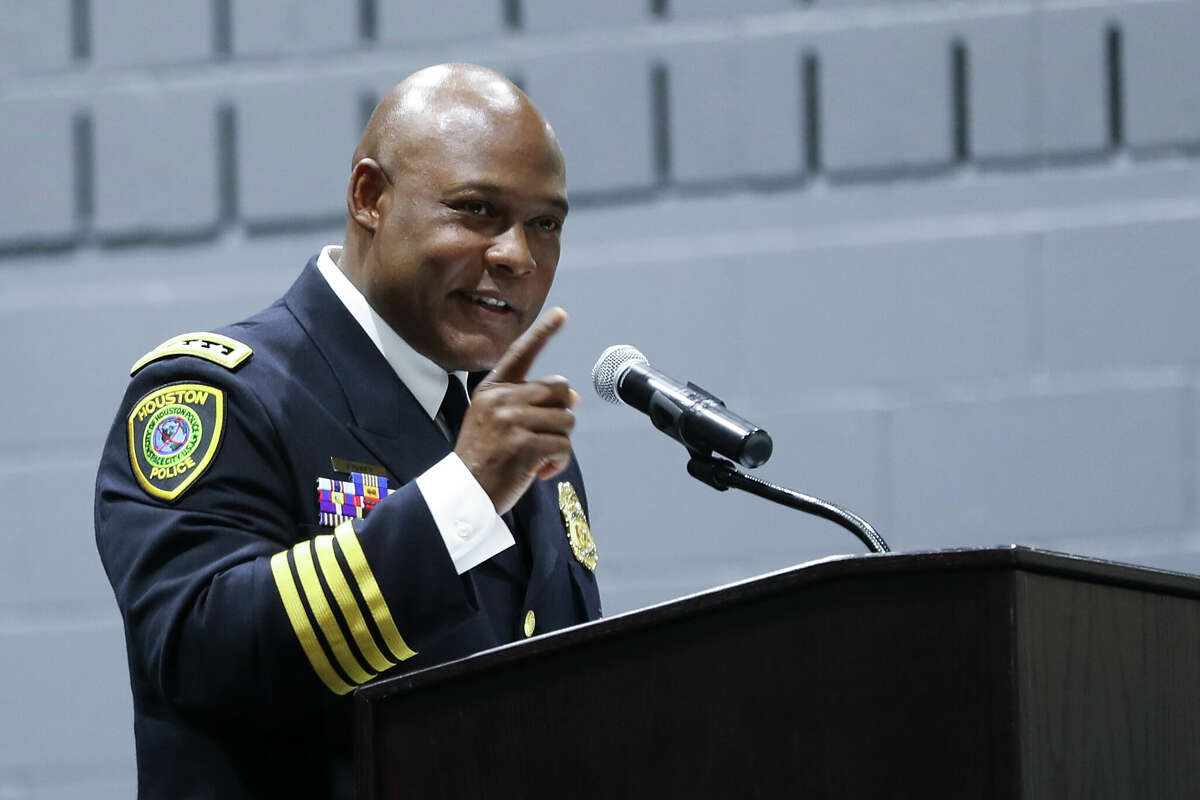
x=723 y=475
x=685 y=413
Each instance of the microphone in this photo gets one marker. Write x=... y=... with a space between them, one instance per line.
x=685 y=412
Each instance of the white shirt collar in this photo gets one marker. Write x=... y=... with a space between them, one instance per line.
x=425 y=379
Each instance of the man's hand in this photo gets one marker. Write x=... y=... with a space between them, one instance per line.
x=517 y=430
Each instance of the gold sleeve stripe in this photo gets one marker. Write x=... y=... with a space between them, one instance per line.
x=357 y=559
x=324 y=614
x=301 y=625
x=336 y=579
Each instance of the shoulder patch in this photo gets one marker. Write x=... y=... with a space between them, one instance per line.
x=210 y=346
x=174 y=433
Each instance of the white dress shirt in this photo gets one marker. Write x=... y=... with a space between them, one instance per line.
x=464 y=514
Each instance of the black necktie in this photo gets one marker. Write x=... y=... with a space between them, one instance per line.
x=454 y=407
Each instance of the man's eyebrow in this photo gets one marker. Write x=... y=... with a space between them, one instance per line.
x=484 y=187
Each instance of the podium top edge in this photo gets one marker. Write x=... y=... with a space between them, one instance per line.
x=1019 y=558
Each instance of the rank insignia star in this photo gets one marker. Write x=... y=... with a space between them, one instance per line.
x=214 y=347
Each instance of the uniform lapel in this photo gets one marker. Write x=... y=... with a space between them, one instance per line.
x=388 y=421
x=394 y=428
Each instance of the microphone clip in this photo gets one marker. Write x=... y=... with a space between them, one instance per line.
x=710 y=470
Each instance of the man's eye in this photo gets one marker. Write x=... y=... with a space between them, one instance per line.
x=477 y=208
x=549 y=224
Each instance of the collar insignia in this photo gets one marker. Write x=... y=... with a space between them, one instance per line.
x=578 y=532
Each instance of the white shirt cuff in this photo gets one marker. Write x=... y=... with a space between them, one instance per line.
x=464 y=514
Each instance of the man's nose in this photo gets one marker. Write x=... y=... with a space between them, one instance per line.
x=510 y=252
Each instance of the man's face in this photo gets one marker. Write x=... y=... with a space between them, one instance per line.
x=468 y=237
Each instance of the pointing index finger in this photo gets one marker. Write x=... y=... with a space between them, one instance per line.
x=514 y=365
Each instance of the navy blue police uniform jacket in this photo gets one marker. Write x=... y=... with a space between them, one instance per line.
x=248 y=622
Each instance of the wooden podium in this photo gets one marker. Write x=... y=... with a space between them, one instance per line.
x=997 y=673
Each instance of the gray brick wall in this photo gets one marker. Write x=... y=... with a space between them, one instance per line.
x=945 y=252
x=275 y=28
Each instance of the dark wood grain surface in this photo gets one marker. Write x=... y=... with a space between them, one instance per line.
x=1109 y=690
x=917 y=675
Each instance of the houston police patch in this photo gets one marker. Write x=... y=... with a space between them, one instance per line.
x=174 y=433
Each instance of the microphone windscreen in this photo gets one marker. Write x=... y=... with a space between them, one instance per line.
x=610 y=366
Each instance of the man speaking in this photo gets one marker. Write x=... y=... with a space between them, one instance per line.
x=295 y=504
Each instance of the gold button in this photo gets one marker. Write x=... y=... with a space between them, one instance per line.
x=530 y=621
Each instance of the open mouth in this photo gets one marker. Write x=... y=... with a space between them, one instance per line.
x=488 y=302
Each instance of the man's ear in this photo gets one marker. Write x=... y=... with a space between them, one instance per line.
x=368 y=184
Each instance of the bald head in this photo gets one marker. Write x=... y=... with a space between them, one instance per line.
x=456 y=201
x=445 y=101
